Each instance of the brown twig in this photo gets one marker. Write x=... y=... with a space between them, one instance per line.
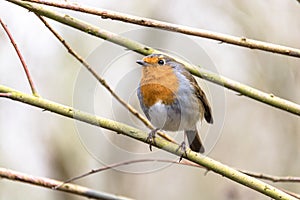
x=51 y=183
x=113 y=166
x=33 y=90
x=5 y=94
x=102 y=81
x=186 y=163
x=272 y=178
x=239 y=41
x=292 y=194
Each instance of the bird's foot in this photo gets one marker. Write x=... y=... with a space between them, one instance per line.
x=151 y=138
x=182 y=146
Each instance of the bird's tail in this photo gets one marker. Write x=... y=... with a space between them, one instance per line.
x=194 y=141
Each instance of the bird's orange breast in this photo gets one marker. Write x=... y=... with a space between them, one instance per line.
x=158 y=83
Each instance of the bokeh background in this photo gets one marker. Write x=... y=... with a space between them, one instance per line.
x=254 y=136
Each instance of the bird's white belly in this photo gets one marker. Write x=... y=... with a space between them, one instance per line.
x=182 y=115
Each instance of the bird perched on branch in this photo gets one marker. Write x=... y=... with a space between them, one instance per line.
x=171 y=98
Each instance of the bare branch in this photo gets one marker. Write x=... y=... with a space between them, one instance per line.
x=239 y=41
x=33 y=90
x=272 y=178
x=129 y=162
x=263 y=97
x=51 y=183
x=290 y=179
x=292 y=194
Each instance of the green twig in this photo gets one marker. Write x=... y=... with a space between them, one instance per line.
x=248 y=91
x=137 y=134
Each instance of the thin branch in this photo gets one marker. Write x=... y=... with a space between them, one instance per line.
x=266 y=98
x=4 y=94
x=33 y=90
x=289 y=179
x=239 y=41
x=292 y=194
x=253 y=93
x=129 y=162
x=103 y=82
x=51 y=183
x=272 y=178
x=186 y=163
x=161 y=143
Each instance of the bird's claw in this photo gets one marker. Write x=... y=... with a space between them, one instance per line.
x=182 y=146
x=151 y=138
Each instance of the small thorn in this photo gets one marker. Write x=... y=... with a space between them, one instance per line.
x=58 y=186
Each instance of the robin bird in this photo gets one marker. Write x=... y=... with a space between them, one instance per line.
x=171 y=98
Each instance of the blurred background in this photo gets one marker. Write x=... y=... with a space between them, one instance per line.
x=248 y=135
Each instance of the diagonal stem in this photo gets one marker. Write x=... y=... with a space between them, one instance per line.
x=33 y=90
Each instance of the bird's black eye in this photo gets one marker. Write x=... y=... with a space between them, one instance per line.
x=161 y=62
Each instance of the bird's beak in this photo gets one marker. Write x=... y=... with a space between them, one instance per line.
x=141 y=62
